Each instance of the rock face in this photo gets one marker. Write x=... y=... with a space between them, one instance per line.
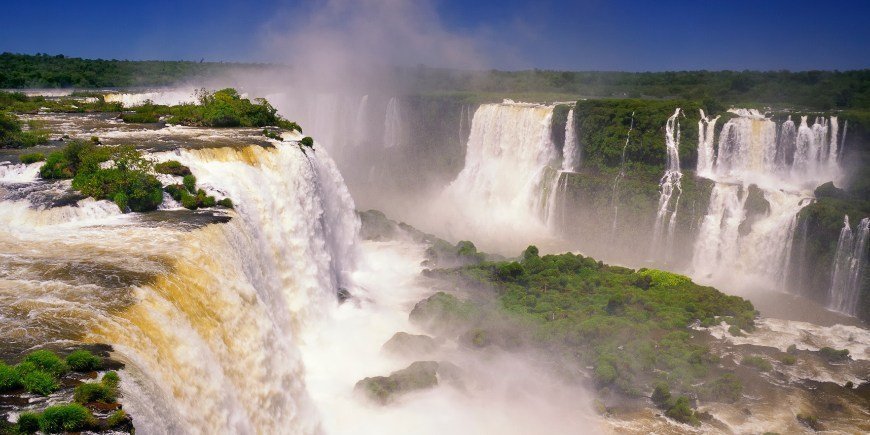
x=444 y=314
x=384 y=389
x=406 y=344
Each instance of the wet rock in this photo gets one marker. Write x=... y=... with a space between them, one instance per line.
x=403 y=343
x=343 y=295
x=384 y=389
x=444 y=314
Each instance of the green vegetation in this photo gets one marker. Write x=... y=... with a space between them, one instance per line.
x=105 y=391
x=223 y=108
x=631 y=326
x=810 y=89
x=66 y=418
x=39 y=382
x=172 y=167
x=28 y=423
x=189 y=182
x=810 y=421
x=12 y=135
x=31 y=158
x=111 y=379
x=788 y=359
x=383 y=389
x=10 y=378
x=603 y=125
x=307 y=141
x=83 y=361
x=47 y=361
x=758 y=362
x=117 y=418
x=127 y=180
x=834 y=355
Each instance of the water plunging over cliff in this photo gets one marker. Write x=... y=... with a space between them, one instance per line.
x=667 y=212
x=751 y=231
x=850 y=262
x=501 y=187
x=207 y=319
x=392 y=125
x=570 y=151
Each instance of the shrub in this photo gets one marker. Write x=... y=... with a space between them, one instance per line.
x=661 y=394
x=117 y=418
x=94 y=392
x=172 y=167
x=832 y=354
x=32 y=158
x=83 y=361
x=24 y=368
x=788 y=359
x=10 y=378
x=605 y=373
x=307 y=141
x=792 y=349
x=735 y=331
x=66 y=418
x=95 y=140
x=810 y=421
x=47 y=361
x=39 y=382
x=111 y=379
x=226 y=202
x=681 y=411
x=188 y=201
x=757 y=362
x=189 y=182
x=727 y=388
x=28 y=423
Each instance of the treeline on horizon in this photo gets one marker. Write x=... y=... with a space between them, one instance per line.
x=821 y=90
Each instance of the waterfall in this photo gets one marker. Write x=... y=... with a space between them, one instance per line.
x=850 y=262
x=570 y=152
x=716 y=244
x=614 y=198
x=843 y=140
x=501 y=190
x=361 y=124
x=785 y=144
x=206 y=318
x=747 y=147
x=706 y=137
x=833 y=151
x=392 y=124
x=670 y=182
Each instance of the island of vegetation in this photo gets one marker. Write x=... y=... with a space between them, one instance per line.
x=87 y=381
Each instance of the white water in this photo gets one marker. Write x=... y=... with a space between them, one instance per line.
x=706 y=137
x=167 y=97
x=786 y=168
x=614 y=199
x=497 y=197
x=570 y=151
x=392 y=125
x=19 y=173
x=850 y=262
x=670 y=182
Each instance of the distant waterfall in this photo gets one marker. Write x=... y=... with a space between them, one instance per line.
x=706 y=137
x=833 y=150
x=785 y=144
x=501 y=191
x=670 y=183
x=361 y=123
x=392 y=124
x=850 y=262
x=614 y=198
x=747 y=146
x=570 y=151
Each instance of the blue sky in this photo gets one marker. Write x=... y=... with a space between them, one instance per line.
x=509 y=34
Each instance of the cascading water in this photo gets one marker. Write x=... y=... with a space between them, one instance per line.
x=755 y=235
x=706 y=137
x=850 y=262
x=500 y=187
x=670 y=182
x=570 y=152
x=207 y=319
x=614 y=199
x=392 y=124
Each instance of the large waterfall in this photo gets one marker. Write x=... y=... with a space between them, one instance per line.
x=501 y=187
x=762 y=182
x=207 y=319
x=850 y=262
x=570 y=151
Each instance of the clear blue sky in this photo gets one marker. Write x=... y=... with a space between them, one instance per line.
x=637 y=35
